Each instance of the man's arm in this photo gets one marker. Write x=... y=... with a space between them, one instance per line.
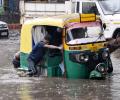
x=53 y=47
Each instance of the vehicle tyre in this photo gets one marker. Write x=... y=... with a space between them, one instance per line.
x=116 y=34
x=110 y=66
x=16 y=60
x=7 y=35
x=16 y=63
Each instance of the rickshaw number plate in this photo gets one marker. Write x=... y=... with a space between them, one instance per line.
x=94 y=48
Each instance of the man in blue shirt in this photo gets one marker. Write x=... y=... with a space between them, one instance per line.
x=37 y=54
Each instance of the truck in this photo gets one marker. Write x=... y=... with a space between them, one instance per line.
x=107 y=10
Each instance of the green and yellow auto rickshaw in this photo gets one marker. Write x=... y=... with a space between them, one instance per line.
x=84 y=54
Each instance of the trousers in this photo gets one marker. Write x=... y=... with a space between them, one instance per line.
x=31 y=66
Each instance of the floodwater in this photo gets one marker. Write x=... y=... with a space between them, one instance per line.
x=13 y=87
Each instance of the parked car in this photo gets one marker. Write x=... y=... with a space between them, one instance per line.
x=4 y=31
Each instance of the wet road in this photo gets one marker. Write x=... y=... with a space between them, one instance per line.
x=13 y=87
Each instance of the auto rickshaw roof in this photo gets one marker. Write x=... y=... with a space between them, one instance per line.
x=61 y=20
x=58 y=21
x=82 y=25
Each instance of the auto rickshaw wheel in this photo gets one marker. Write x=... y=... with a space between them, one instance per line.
x=110 y=66
x=116 y=34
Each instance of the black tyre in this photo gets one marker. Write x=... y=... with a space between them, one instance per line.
x=16 y=63
x=110 y=66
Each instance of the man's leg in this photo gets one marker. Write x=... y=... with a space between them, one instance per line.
x=31 y=67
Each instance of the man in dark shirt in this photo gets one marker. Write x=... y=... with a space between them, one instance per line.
x=37 y=54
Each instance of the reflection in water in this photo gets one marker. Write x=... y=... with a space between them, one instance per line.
x=62 y=89
x=89 y=90
x=57 y=89
x=25 y=92
x=115 y=86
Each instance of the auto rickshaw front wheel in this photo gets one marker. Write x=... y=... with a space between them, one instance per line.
x=110 y=66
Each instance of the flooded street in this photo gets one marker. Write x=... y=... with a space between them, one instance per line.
x=13 y=87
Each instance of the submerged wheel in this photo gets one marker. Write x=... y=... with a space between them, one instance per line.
x=110 y=66
x=16 y=63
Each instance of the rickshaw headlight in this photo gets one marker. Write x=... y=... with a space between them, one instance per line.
x=82 y=57
x=105 y=55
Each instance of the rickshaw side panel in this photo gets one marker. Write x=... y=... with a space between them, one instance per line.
x=23 y=61
x=25 y=45
x=26 y=39
x=75 y=70
x=52 y=63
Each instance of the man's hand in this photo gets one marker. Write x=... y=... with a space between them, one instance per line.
x=53 y=47
x=60 y=48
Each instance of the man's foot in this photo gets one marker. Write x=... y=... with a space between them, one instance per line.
x=21 y=73
x=30 y=74
x=26 y=74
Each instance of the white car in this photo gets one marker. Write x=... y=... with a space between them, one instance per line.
x=4 y=31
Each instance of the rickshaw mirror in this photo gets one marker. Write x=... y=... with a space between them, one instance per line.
x=85 y=29
x=104 y=26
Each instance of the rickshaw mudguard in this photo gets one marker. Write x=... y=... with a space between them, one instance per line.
x=95 y=74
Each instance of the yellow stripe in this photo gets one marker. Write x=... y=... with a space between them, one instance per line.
x=26 y=39
x=116 y=22
x=92 y=47
x=25 y=93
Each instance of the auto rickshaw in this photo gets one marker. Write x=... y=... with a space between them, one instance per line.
x=84 y=54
